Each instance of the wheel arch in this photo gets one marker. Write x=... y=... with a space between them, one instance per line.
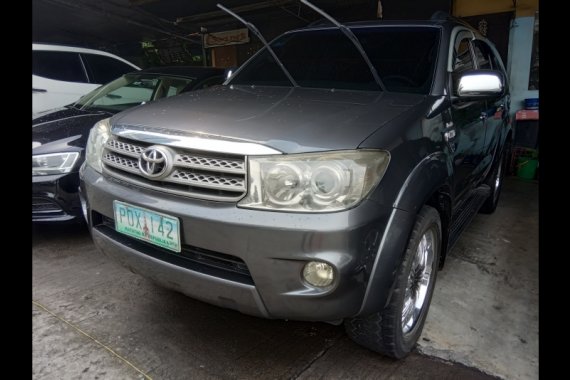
x=427 y=184
x=441 y=201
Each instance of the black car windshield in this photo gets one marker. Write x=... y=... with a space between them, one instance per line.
x=404 y=58
x=131 y=90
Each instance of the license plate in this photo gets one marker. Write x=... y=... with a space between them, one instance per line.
x=153 y=227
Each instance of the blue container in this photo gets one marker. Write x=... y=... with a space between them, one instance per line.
x=531 y=103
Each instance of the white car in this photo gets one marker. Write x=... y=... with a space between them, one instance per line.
x=62 y=74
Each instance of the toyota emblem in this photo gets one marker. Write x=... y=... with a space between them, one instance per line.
x=155 y=161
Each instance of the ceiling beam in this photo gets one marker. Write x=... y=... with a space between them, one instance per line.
x=127 y=20
x=242 y=8
x=141 y=2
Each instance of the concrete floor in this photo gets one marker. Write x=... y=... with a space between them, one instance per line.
x=92 y=319
x=484 y=312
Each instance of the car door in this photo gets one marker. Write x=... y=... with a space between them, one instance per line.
x=468 y=122
x=497 y=109
x=58 y=79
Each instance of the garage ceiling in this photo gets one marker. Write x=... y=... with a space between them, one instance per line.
x=120 y=25
x=112 y=23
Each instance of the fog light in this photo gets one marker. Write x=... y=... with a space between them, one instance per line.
x=318 y=274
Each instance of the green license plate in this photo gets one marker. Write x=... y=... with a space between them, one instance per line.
x=156 y=228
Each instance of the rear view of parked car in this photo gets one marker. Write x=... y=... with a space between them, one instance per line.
x=59 y=136
x=62 y=74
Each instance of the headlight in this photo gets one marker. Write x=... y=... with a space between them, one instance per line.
x=98 y=136
x=55 y=163
x=314 y=182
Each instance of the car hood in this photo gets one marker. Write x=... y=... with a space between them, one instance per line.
x=63 y=125
x=291 y=120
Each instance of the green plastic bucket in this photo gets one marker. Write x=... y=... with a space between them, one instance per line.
x=526 y=167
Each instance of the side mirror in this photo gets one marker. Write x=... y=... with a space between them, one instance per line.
x=480 y=84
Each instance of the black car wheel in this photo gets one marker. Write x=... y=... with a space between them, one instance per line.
x=395 y=330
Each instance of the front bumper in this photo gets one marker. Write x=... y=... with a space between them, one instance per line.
x=55 y=198
x=273 y=247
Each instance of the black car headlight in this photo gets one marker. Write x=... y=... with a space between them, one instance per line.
x=53 y=163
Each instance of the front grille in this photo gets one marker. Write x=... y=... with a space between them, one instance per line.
x=197 y=174
x=197 y=259
x=44 y=206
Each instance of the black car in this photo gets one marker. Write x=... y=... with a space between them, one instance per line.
x=59 y=136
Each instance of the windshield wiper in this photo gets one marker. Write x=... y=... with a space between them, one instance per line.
x=352 y=37
x=254 y=30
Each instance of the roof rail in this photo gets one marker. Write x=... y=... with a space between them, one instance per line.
x=444 y=16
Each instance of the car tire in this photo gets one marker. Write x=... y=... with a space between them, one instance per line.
x=395 y=330
x=495 y=182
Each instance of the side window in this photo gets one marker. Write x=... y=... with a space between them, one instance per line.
x=496 y=61
x=462 y=60
x=58 y=65
x=103 y=69
x=482 y=57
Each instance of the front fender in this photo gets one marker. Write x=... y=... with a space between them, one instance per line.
x=430 y=175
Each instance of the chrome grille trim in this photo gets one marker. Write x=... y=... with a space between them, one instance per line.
x=114 y=174
x=125 y=148
x=191 y=141
x=123 y=163
x=207 y=181
x=196 y=174
x=213 y=164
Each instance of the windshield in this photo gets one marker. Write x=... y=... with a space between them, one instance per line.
x=403 y=56
x=131 y=90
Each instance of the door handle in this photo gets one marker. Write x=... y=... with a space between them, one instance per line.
x=38 y=90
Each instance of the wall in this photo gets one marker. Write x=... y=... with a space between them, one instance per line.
x=520 y=49
x=413 y=9
x=464 y=8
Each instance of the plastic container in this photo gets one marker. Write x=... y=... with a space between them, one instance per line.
x=526 y=167
x=531 y=103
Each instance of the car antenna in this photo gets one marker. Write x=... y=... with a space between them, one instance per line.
x=254 y=30
x=348 y=33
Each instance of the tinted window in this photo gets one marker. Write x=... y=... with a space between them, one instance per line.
x=495 y=60
x=104 y=69
x=403 y=57
x=325 y=59
x=482 y=55
x=64 y=66
x=462 y=56
x=462 y=60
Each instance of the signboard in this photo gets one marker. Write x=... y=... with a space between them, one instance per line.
x=229 y=37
